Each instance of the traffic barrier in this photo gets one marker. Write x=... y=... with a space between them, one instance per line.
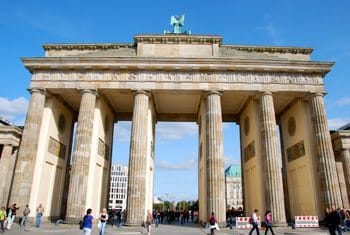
x=243 y=223
x=306 y=222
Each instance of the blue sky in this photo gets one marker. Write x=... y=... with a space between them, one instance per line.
x=320 y=24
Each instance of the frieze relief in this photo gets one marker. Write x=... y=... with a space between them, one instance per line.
x=155 y=76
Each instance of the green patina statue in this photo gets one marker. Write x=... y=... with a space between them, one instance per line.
x=177 y=22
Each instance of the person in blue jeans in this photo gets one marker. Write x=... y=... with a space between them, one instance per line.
x=39 y=214
x=87 y=222
x=103 y=217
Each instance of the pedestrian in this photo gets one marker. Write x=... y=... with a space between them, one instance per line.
x=103 y=217
x=39 y=214
x=268 y=222
x=333 y=221
x=149 y=219
x=26 y=212
x=254 y=219
x=87 y=222
x=212 y=221
x=11 y=215
x=2 y=218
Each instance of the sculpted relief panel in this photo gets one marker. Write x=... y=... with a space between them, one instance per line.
x=183 y=77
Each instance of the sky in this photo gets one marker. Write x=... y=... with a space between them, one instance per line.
x=319 y=24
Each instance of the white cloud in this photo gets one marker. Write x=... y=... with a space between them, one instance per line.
x=164 y=131
x=175 y=131
x=271 y=29
x=173 y=166
x=122 y=132
x=343 y=102
x=335 y=123
x=14 y=110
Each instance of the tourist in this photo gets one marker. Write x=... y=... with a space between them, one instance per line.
x=103 y=217
x=87 y=222
x=39 y=214
x=333 y=221
x=268 y=222
x=212 y=221
x=11 y=215
x=26 y=212
x=149 y=219
x=254 y=219
x=2 y=218
x=347 y=221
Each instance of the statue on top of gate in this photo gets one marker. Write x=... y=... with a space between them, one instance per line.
x=177 y=22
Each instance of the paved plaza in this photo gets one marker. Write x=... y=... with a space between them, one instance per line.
x=189 y=229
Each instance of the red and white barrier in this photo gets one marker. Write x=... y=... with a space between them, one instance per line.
x=306 y=222
x=243 y=223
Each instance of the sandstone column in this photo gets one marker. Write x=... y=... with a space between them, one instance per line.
x=77 y=193
x=215 y=157
x=345 y=158
x=136 y=202
x=325 y=155
x=24 y=172
x=269 y=140
x=6 y=173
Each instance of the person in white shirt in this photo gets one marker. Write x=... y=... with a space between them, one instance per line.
x=255 y=222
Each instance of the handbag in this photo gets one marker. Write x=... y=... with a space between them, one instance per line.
x=99 y=224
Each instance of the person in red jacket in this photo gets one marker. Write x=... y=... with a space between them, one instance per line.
x=212 y=220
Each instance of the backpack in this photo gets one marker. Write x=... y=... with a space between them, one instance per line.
x=81 y=223
x=212 y=220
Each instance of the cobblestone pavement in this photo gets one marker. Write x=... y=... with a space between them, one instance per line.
x=189 y=229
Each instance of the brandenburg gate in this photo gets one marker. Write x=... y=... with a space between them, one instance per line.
x=79 y=91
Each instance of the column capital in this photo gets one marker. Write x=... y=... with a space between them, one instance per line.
x=312 y=95
x=37 y=90
x=263 y=93
x=212 y=92
x=91 y=91
x=145 y=92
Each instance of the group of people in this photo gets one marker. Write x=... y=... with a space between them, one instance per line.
x=213 y=222
x=87 y=222
x=337 y=220
x=8 y=215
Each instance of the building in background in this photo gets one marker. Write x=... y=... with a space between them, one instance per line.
x=118 y=187
x=10 y=137
x=233 y=183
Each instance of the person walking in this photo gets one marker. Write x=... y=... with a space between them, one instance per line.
x=268 y=222
x=39 y=214
x=149 y=219
x=87 y=222
x=254 y=219
x=103 y=217
x=2 y=218
x=26 y=212
x=11 y=215
x=212 y=221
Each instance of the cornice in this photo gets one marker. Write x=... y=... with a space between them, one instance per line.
x=177 y=39
x=183 y=64
x=82 y=47
x=270 y=49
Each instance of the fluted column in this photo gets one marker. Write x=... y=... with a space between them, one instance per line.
x=136 y=201
x=24 y=172
x=77 y=193
x=345 y=158
x=215 y=157
x=6 y=173
x=274 y=186
x=327 y=169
